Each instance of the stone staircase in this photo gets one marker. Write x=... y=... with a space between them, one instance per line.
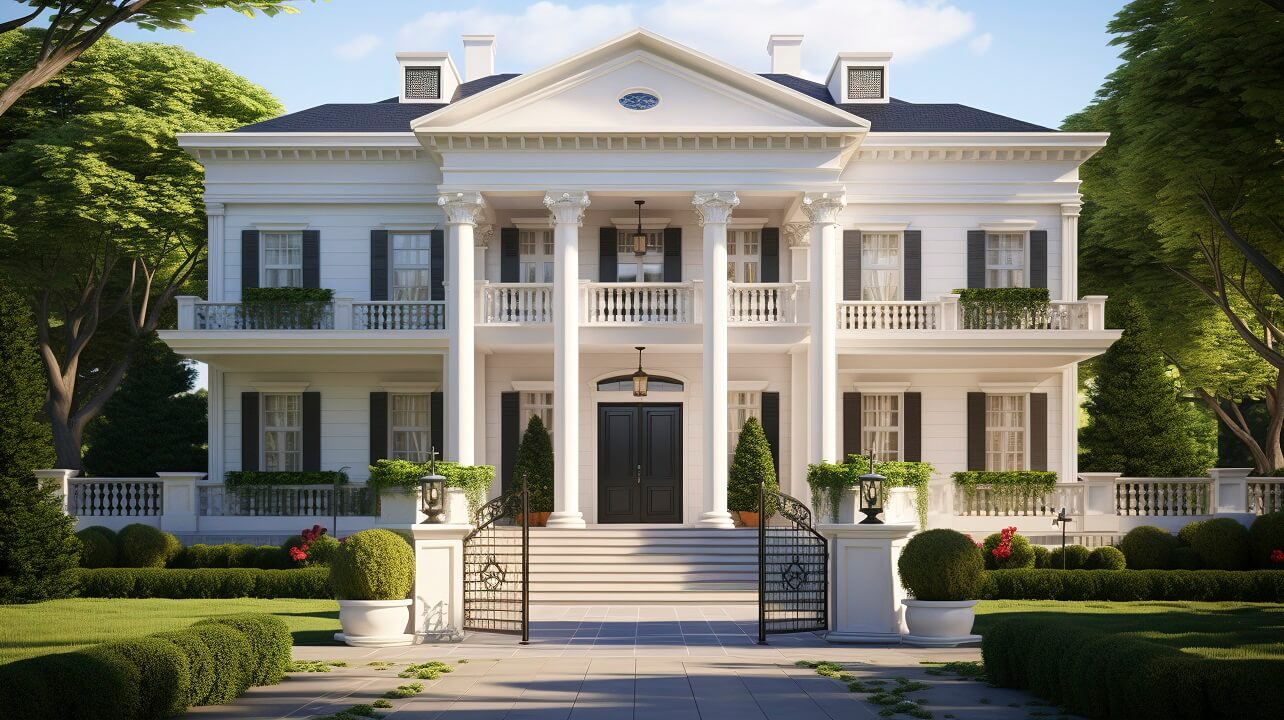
x=639 y=565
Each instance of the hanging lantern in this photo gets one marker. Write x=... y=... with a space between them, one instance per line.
x=871 y=494
x=639 y=237
x=640 y=377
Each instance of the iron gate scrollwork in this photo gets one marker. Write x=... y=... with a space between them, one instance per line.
x=497 y=566
x=793 y=567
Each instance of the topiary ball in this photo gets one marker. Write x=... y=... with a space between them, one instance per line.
x=941 y=565
x=97 y=547
x=1042 y=556
x=1022 y=553
x=1148 y=548
x=322 y=551
x=1075 y=557
x=1220 y=543
x=373 y=565
x=145 y=546
x=1106 y=558
x=1265 y=537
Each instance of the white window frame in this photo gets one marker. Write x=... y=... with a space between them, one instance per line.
x=741 y=405
x=422 y=292
x=868 y=430
x=898 y=240
x=535 y=251
x=654 y=255
x=266 y=277
x=425 y=453
x=282 y=432
x=1008 y=268
x=744 y=266
x=1003 y=463
x=536 y=402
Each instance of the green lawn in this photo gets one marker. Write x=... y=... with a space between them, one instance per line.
x=1210 y=629
x=62 y=625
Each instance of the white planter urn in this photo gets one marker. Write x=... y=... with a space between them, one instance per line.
x=375 y=623
x=940 y=623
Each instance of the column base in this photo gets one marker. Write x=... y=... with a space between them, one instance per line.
x=566 y=520
x=863 y=638
x=718 y=519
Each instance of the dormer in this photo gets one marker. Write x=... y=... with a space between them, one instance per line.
x=859 y=77
x=427 y=77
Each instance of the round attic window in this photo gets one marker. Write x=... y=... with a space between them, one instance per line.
x=639 y=101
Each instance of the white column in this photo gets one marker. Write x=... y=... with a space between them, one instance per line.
x=568 y=213
x=823 y=209
x=214 y=224
x=798 y=425
x=462 y=210
x=1070 y=251
x=714 y=210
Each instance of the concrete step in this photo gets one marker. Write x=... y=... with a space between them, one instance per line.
x=686 y=597
x=591 y=568
x=541 y=576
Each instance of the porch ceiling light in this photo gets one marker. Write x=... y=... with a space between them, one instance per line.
x=639 y=237
x=640 y=377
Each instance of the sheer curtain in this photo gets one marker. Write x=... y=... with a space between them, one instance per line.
x=880 y=262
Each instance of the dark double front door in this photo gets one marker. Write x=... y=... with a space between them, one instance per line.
x=639 y=463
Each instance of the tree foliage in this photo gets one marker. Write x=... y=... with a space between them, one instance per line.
x=24 y=437
x=153 y=423
x=38 y=552
x=1137 y=424
x=535 y=462
x=101 y=213
x=751 y=464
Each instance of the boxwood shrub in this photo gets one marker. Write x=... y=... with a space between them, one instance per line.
x=941 y=565
x=181 y=584
x=1220 y=543
x=164 y=673
x=1075 y=557
x=98 y=547
x=1022 y=553
x=1148 y=548
x=270 y=642
x=1266 y=535
x=230 y=650
x=145 y=546
x=232 y=555
x=1106 y=558
x=200 y=663
x=1134 y=585
x=373 y=565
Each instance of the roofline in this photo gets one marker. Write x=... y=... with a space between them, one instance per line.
x=1052 y=138
x=297 y=139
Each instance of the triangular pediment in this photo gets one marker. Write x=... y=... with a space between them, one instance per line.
x=693 y=94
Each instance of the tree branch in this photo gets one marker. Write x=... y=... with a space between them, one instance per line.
x=18 y=22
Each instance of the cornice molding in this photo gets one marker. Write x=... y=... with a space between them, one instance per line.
x=732 y=140
x=295 y=153
x=974 y=154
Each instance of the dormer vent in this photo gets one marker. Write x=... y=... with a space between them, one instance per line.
x=423 y=83
x=427 y=77
x=860 y=77
x=864 y=83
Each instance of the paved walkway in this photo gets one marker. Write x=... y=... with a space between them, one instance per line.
x=668 y=663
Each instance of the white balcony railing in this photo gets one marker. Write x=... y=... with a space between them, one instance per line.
x=398 y=315
x=946 y=313
x=629 y=303
x=762 y=303
x=114 y=497
x=889 y=315
x=1163 y=496
x=987 y=501
x=505 y=303
x=287 y=501
x=341 y=314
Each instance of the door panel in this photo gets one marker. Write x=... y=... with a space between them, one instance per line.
x=617 y=463
x=639 y=463
x=661 y=463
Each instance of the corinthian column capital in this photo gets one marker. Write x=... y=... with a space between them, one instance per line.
x=714 y=207
x=462 y=208
x=822 y=208
x=567 y=207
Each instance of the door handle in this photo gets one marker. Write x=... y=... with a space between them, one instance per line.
x=638 y=475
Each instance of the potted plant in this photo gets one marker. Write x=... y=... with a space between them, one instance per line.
x=371 y=575
x=751 y=465
x=535 y=463
x=943 y=570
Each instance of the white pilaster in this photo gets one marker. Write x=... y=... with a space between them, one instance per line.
x=214 y=226
x=216 y=423
x=823 y=209
x=1070 y=251
x=179 y=501
x=462 y=210
x=798 y=445
x=714 y=210
x=567 y=209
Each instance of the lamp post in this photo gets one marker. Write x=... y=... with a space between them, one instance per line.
x=334 y=501
x=871 y=493
x=1063 y=520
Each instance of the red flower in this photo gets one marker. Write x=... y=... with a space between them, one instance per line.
x=1003 y=550
x=1277 y=556
x=298 y=555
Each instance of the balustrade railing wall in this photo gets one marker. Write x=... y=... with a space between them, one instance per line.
x=287 y=501
x=114 y=497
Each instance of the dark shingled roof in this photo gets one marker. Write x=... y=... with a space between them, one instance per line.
x=894 y=116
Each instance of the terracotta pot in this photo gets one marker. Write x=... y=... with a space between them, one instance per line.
x=748 y=518
x=940 y=623
x=538 y=519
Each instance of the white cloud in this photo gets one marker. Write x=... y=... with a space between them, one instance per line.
x=981 y=43
x=734 y=31
x=358 y=47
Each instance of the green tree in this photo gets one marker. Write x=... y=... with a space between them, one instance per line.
x=39 y=553
x=153 y=422
x=75 y=25
x=535 y=462
x=1189 y=188
x=751 y=464
x=24 y=437
x=1137 y=424
x=101 y=213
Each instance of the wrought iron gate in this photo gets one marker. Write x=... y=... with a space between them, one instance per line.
x=497 y=566
x=793 y=567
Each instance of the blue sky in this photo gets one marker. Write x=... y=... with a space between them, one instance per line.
x=1038 y=60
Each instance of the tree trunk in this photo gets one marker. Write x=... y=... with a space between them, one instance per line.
x=67 y=444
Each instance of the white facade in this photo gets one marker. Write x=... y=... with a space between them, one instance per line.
x=540 y=164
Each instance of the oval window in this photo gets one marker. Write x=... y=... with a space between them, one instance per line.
x=639 y=101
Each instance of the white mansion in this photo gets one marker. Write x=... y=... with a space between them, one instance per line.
x=795 y=257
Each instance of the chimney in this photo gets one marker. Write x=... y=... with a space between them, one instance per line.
x=479 y=56
x=786 y=54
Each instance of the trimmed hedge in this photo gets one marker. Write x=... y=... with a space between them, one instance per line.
x=1134 y=585
x=98 y=547
x=232 y=555
x=1107 y=675
x=164 y=673
x=270 y=643
x=230 y=649
x=1042 y=556
x=312 y=583
x=144 y=546
x=200 y=664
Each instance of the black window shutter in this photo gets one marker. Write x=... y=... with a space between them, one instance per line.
x=770 y=255
x=311 y=258
x=250 y=431
x=976 y=258
x=378 y=426
x=912 y=427
x=510 y=433
x=311 y=431
x=672 y=254
x=378 y=265
x=1039 y=259
x=976 y=431
x=437 y=422
x=851 y=264
x=510 y=269
x=249 y=259
x=437 y=261
x=851 y=424
x=913 y=254
x=1038 y=431
x=771 y=426
x=608 y=249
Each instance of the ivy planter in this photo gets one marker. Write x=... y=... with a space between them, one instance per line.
x=940 y=623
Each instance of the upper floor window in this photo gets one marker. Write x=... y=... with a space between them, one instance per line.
x=744 y=248
x=411 y=270
x=1005 y=432
x=1004 y=259
x=535 y=248
x=647 y=268
x=282 y=259
x=282 y=432
x=410 y=426
x=880 y=266
x=880 y=426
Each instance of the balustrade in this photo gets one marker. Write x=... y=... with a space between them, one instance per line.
x=624 y=303
x=1265 y=495
x=989 y=501
x=287 y=500
x=1163 y=496
x=516 y=303
x=399 y=315
x=879 y=315
x=762 y=302
x=114 y=497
